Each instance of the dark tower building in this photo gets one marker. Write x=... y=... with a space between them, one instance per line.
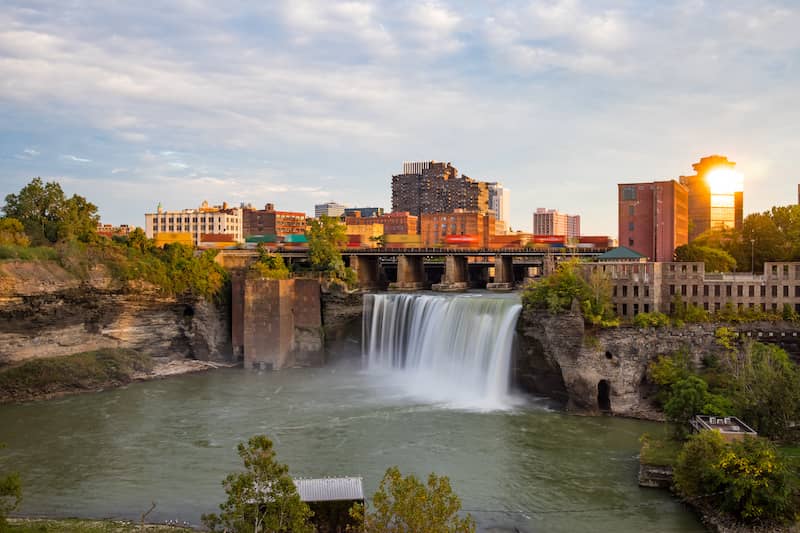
x=716 y=197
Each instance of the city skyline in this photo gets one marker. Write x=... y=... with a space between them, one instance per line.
x=302 y=103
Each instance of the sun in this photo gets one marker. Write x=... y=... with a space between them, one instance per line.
x=724 y=180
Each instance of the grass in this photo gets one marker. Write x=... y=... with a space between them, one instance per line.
x=86 y=370
x=659 y=450
x=11 y=252
x=74 y=525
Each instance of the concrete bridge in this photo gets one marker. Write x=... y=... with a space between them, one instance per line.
x=442 y=269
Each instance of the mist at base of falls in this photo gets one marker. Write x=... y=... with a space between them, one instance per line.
x=451 y=350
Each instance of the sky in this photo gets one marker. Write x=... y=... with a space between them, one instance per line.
x=301 y=102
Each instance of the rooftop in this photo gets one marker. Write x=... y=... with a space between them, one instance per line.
x=329 y=489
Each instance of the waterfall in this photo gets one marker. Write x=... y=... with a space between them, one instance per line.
x=452 y=349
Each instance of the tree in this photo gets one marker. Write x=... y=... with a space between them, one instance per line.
x=406 y=504
x=48 y=216
x=137 y=240
x=269 y=265
x=715 y=260
x=746 y=479
x=325 y=236
x=12 y=232
x=689 y=397
x=10 y=495
x=263 y=498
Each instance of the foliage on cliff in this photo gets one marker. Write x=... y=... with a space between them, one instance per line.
x=325 y=237
x=567 y=284
x=48 y=216
x=406 y=504
x=87 y=370
x=715 y=260
x=747 y=479
x=754 y=381
x=263 y=498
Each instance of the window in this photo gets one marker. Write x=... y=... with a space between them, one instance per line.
x=797 y=291
x=728 y=291
x=630 y=226
x=630 y=210
x=716 y=290
x=647 y=291
x=694 y=290
x=739 y=291
x=751 y=291
x=647 y=308
x=694 y=268
x=635 y=291
x=683 y=290
x=774 y=291
x=630 y=242
x=624 y=309
x=624 y=291
x=629 y=193
x=705 y=291
x=785 y=291
x=763 y=291
x=614 y=291
x=635 y=309
x=672 y=290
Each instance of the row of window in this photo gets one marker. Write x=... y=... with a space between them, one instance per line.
x=740 y=290
x=635 y=308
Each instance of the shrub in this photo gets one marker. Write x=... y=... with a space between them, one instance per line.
x=747 y=479
x=651 y=320
x=689 y=397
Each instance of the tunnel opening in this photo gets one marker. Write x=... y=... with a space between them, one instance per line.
x=609 y=355
x=604 y=396
x=188 y=311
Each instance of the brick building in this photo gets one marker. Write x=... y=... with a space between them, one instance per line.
x=268 y=221
x=644 y=287
x=401 y=223
x=653 y=218
x=551 y=222
x=437 y=188
x=436 y=227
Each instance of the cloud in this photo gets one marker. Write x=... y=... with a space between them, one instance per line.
x=76 y=159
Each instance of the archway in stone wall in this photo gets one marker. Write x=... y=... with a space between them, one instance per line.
x=604 y=395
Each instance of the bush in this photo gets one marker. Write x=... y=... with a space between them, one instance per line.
x=746 y=479
x=651 y=320
x=269 y=265
x=689 y=397
x=10 y=495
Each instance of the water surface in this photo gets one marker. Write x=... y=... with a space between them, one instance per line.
x=172 y=441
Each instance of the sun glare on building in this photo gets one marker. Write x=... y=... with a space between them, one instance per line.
x=724 y=180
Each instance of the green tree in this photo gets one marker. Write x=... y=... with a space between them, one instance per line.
x=269 y=265
x=689 y=397
x=406 y=504
x=12 y=232
x=137 y=240
x=557 y=291
x=746 y=479
x=715 y=259
x=10 y=495
x=48 y=216
x=325 y=236
x=263 y=498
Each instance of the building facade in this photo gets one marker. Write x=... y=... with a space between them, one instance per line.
x=551 y=222
x=204 y=220
x=499 y=204
x=437 y=188
x=653 y=218
x=476 y=228
x=268 y=221
x=716 y=196
x=330 y=209
x=402 y=223
x=645 y=287
x=363 y=211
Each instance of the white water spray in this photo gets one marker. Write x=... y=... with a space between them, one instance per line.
x=451 y=349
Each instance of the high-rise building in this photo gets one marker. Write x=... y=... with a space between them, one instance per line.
x=437 y=188
x=268 y=221
x=716 y=196
x=653 y=218
x=499 y=199
x=551 y=222
x=330 y=209
x=202 y=222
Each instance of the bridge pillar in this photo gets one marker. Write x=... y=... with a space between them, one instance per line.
x=367 y=268
x=410 y=273
x=456 y=277
x=503 y=274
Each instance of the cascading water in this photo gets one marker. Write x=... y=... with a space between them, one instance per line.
x=453 y=349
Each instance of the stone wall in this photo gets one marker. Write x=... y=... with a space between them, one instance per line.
x=600 y=370
x=46 y=311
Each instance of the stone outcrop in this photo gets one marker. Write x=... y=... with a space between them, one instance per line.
x=603 y=370
x=46 y=311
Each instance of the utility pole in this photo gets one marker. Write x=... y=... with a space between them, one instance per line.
x=752 y=255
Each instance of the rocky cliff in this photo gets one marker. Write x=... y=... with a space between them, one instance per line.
x=46 y=311
x=604 y=370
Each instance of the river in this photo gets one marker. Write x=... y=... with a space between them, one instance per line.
x=109 y=454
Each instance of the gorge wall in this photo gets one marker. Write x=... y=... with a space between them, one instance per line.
x=46 y=311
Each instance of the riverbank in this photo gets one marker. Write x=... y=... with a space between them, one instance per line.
x=77 y=525
x=93 y=371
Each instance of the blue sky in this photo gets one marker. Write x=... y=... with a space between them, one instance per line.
x=306 y=101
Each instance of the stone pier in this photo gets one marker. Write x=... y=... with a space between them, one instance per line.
x=277 y=323
x=503 y=274
x=456 y=277
x=410 y=274
x=368 y=270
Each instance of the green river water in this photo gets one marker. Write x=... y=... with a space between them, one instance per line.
x=172 y=441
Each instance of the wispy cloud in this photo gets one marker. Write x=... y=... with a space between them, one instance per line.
x=76 y=159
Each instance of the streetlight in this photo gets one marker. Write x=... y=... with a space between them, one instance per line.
x=752 y=256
